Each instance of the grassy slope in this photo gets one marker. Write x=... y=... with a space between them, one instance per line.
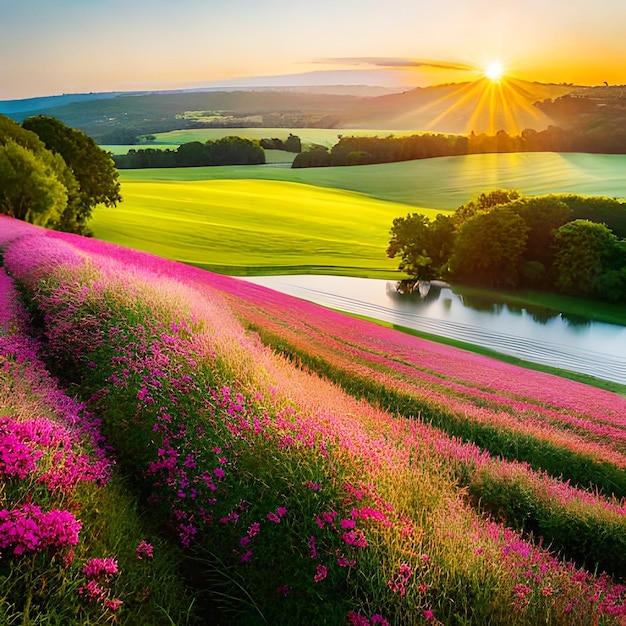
x=244 y=216
x=247 y=226
x=443 y=183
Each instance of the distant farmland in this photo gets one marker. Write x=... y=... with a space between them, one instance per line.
x=443 y=183
x=254 y=226
x=253 y=219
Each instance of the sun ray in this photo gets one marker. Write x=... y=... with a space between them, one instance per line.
x=494 y=71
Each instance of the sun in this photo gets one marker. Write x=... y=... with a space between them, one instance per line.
x=494 y=71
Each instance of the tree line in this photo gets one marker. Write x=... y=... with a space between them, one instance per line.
x=291 y=144
x=351 y=150
x=559 y=242
x=225 y=151
x=53 y=175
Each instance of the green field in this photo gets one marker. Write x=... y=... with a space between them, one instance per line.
x=443 y=183
x=255 y=220
x=254 y=226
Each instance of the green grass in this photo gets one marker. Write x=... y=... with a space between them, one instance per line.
x=247 y=226
x=443 y=183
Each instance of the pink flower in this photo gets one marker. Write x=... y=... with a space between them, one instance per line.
x=113 y=605
x=428 y=614
x=284 y=590
x=281 y=510
x=320 y=573
x=272 y=517
x=95 y=568
x=329 y=516
x=144 y=549
x=356 y=619
x=254 y=529
x=313 y=548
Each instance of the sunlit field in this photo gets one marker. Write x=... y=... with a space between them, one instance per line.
x=442 y=183
x=251 y=219
x=293 y=465
x=251 y=226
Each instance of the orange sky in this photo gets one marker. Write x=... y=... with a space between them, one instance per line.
x=70 y=46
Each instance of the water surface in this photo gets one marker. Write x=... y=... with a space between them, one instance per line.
x=536 y=335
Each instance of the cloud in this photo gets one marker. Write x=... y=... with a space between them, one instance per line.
x=392 y=62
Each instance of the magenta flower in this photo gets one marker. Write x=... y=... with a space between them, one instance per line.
x=144 y=550
x=356 y=619
x=312 y=546
x=320 y=573
x=96 y=568
x=272 y=517
x=112 y=605
x=92 y=591
x=428 y=614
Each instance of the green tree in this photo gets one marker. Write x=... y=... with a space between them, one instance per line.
x=422 y=245
x=583 y=251
x=42 y=160
x=484 y=203
x=293 y=143
x=30 y=189
x=488 y=249
x=409 y=240
x=92 y=167
x=543 y=215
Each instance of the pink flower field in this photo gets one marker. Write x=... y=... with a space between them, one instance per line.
x=267 y=461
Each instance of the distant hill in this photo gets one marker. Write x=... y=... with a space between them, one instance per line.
x=15 y=107
x=479 y=106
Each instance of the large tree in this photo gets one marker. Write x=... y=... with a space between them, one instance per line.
x=488 y=249
x=543 y=215
x=583 y=254
x=33 y=175
x=484 y=203
x=30 y=188
x=92 y=167
x=422 y=245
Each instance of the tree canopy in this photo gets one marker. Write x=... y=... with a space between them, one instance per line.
x=422 y=245
x=93 y=168
x=502 y=239
x=229 y=150
x=53 y=175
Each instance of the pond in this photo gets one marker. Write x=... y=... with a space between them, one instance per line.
x=535 y=335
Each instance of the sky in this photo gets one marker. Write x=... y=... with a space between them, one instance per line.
x=50 y=47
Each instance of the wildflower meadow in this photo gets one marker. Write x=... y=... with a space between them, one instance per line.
x=180 y=447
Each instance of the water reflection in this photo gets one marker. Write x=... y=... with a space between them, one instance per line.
x=533 y=334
